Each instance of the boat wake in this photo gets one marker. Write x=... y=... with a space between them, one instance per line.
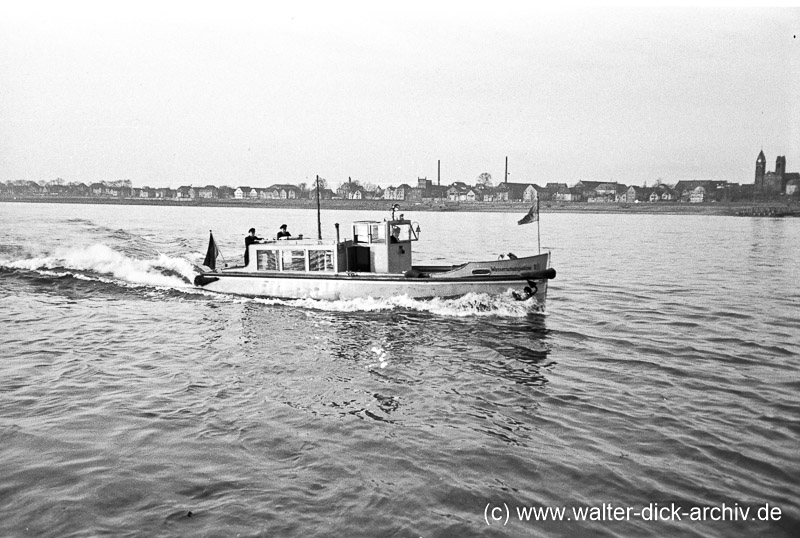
x=469 y=305
x=102 y=263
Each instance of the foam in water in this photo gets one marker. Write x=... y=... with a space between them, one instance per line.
x=471 y=304
x=380 y=355
x=101 y=260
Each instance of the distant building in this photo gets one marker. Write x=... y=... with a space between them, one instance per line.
x=79 y=189
x=588 y=189
x=350 y=190
x=637 y=194
x=559 y=192
x=664 y=193
x=698 y=195
x=771 y=183
x=165 y=193
x=425 y=190
x=225 y=192
x=397 y=193
x=324 y=194
x=687 y=191
x=436 y=193
x=245 y=193
x=281 y=191
x=184 y=193
x=458 y=192
x=516 y=192
x=604 y=192
x=208 y=192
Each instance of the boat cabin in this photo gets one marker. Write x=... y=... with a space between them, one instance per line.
x=376 y=247
x=381 y=246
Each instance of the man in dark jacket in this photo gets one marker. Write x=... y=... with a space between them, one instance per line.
x=284 y=232
x=249 y=240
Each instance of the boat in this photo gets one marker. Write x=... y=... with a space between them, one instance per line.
x=375 y=262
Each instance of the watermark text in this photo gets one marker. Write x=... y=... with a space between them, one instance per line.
x=501 y=513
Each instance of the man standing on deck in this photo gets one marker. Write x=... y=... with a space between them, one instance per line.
x=284 y=232
x=249 y=240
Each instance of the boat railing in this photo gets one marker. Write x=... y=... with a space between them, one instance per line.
x=299 y=240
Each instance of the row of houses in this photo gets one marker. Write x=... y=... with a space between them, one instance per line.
x=683 y=191
x=424 y=190
x=101 y=190
x=582 y=191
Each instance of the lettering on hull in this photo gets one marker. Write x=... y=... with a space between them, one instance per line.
x=514 y=268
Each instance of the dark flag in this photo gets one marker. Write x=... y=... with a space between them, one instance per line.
x=533 y=214
x=211 y=255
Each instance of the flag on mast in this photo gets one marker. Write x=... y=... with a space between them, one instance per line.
x=533 y=214
x=212 y=253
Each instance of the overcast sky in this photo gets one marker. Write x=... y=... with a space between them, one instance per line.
x=190 y=94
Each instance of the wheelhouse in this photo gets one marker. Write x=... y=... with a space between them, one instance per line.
x=376 y=247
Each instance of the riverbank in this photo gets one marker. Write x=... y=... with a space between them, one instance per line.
x=792 y=208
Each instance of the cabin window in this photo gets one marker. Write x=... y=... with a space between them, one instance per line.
x=267 y=260
x=320 y=260
x=403 y=232
x=377 y=233
x=294 y=260
x=361 y=233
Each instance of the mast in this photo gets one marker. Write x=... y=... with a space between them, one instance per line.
x=538 y=229
x=319 y=219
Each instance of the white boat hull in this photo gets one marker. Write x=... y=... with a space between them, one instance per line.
x=337 y=287
x=523 y=278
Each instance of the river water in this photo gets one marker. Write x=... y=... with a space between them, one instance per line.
x=663 y=373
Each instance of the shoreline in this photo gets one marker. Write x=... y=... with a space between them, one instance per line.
x=775 y=208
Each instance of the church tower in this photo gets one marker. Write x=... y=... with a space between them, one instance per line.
x=780 y=166
x=761 y=168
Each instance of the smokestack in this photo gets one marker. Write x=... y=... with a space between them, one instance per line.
x=506 y=181
x=438 y=172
